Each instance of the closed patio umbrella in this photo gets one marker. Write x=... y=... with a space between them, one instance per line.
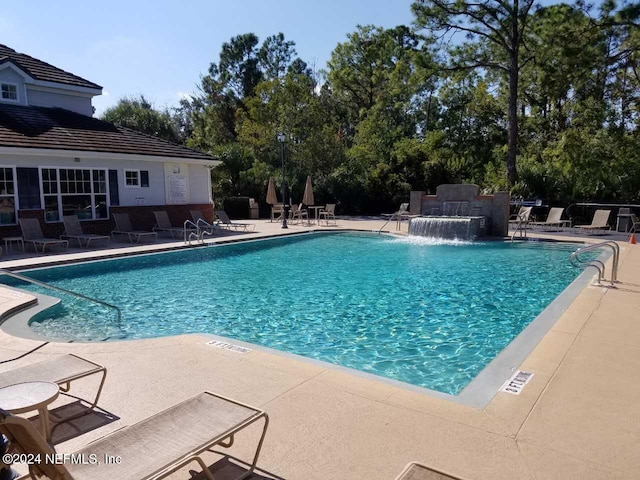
x=272 y=198
x=307 y=198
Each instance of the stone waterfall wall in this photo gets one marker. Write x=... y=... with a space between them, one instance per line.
x=464 y=200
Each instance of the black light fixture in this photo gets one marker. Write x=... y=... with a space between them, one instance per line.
x=281 y=139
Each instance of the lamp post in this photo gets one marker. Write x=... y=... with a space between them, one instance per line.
x=281 y=139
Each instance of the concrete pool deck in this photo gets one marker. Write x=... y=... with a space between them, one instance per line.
x=578 y=417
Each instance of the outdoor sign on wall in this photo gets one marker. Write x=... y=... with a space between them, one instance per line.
x=176 y=183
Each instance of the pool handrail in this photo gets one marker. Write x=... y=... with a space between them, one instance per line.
x=63 y=290
x=575 y=256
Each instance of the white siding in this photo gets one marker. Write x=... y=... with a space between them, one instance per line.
x=75 y=103
x=199 y=190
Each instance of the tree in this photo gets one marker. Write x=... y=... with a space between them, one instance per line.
x=138 y=114
x=495 y=32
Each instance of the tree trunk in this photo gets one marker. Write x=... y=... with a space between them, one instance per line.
x=514 y=70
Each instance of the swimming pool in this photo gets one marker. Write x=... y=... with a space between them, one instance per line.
x=432 y=315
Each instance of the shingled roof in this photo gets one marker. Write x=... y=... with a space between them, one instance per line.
x=41 y=70
x=56 y=128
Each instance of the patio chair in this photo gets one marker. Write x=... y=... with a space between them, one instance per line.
x=123 y=227
x=276 y=212
x=298 y=213
x=328 y=212
x=226 y=222
x=599 y=222
x=163 y=225
x=32 y=233
x=419 y=471
x=73 y=231
x=62 y=370
x=150 y=449
x=554 y=219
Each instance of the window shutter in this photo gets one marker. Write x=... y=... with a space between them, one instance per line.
x=114 y=196
x=28 y=188
x=144 y=178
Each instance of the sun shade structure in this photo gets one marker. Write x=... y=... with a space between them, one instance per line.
x=307 y=198
x=32 y=233
x=272 y=198
x=73 y=231
x=123 y=227
x=151 y=449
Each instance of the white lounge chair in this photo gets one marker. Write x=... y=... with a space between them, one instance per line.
x=554 y=219
x=150 y=449
x=73 y=231
x=226 y=222
x=201 y=222
x=32 y=233
x=600 y=222
x=123 y=227
x=401 y=214
x=62 y=370
x=163 y=225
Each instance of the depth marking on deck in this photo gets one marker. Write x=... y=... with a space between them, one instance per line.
x=228 y=346
x=517 y=382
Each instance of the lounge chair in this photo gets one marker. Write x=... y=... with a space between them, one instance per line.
x=401 y=214
x=150 y=449
x=298 y=213
x=599 y=222
x=163 y=225
x=32 y=233
x=522 y=217
x=419 y=471
x=226 y=222
x=554 y=219
x=199 y=220
x=328 y=212
x=123 y=227
x=73 y=231
x=62 y=370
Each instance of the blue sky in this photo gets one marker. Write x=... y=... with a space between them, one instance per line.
x=160 y=48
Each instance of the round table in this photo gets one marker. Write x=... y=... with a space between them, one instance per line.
x=29 y=396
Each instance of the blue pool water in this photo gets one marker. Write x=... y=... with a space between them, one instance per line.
x=408 y=309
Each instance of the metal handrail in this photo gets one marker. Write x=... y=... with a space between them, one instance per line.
x=615 y=248
x=187 y=239
x=518 y=228
x=63 y=290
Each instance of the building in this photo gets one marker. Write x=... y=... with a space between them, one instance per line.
x=56 y=159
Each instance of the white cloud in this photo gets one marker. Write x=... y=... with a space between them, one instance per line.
x=183 y=95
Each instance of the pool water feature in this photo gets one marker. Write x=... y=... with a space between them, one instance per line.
x=429 y=313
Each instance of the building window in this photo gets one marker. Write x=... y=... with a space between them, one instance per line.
x=9 y=91
x=132 y=178
x=7 y=196
x=136 y=178
x=74 y=191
